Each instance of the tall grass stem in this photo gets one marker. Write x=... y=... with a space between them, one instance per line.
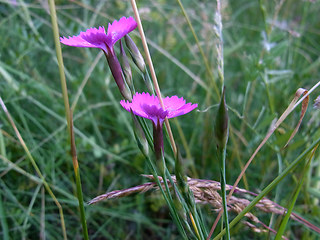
x=68 y=113
x=152 y=71
x=294 y=198
x=267 y=189
x=34 y=164
x=285 y=114
x=222 y=156
x=205 y=60
x=3 y=220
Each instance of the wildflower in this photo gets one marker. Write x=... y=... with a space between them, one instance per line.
x=148 y=106
x=98 y=38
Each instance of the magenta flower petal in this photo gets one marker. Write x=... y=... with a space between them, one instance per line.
x=98 y=38
x=119 y=29
x=177 y=106
x=147 y=106
x=92 y=38
x=142 y=104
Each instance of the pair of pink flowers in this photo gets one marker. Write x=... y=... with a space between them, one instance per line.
x=142 y=104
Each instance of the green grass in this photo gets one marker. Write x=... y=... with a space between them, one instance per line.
x=259 y=86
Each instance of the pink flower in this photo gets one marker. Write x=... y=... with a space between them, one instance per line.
x=147 y=106
x=98 y=38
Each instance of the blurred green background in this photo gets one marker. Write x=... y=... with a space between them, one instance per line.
x=271 y=48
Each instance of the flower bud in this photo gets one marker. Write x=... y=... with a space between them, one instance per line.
x=135 y=53
x=125 y=66
x=138 y=60
x=148 y=81
x=140 y=136
x=222 y=123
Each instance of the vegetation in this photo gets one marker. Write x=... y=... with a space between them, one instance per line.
x=265 y=52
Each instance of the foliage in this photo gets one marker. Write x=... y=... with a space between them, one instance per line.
x=271 y=48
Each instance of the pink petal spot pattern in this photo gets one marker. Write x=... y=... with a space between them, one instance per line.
x=148 y=106
x=98 y=38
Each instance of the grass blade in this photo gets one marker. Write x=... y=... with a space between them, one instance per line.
x=293 y=201
x=291 y=167
x=68 y=116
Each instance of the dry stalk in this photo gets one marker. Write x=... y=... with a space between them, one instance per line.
x=207 y=192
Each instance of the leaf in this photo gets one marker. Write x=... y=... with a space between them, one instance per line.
x=305 y=102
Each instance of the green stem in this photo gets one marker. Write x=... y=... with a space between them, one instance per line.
x=35 y=166
x=222 y=156
x=3 y=219
x=78 y=180
x=188 y=209
x=63 y=82
x=269 y=188
x=270 y=100
x=152 y=72
x=294 y=199
x=173 y=211
x=206 y=62
x=68 y=116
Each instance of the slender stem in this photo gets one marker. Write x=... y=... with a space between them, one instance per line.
x=206 y=62
x=165 y=182
x=274 y=183
x=78 y=180
x=167 y=198
x=3 y=217
x=3 y=220
x=186 y=147
x=270 y=100
x=68 y=116
x=55 y=30
x=194 y=225
x=254 y=154
x=152 y=71
x=222 y=157
x=295 y=196
x=34 y=164
x=221 y=152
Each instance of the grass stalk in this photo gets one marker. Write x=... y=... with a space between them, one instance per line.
x=3 y=219
x=221 y=148
x=152 y=72
x=222 y=156
x=205 y=60
x=68 y=113
x=167 y=198
x=78 y=180
x=283 y=116
x=272 y=185
x=34 y=164
x=194 y=225
x=294 y=199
